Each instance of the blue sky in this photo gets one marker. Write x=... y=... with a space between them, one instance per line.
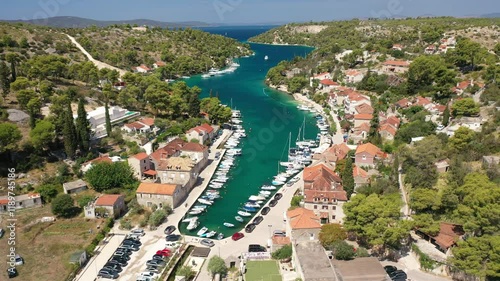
x=242 y=11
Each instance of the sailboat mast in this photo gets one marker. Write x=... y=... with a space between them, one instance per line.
x=304 y=129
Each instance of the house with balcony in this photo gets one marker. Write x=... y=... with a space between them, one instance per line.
x=141 y=166
x=198 y=153
x=323 y=193
x=178 y=170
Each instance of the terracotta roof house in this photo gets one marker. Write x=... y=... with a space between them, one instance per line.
x=449 y=234
x=302 y=221
x=149 y=194
x=112 y=205
x=328 y=84
x=159 y=64
x=397 y=47
x=198 y=153
x=178 y=170
x=364 y=109
x=321 y=76
x=429 y=50
x=323 y=193
x=395 y=66
x=463 y=85
x=141 y=166
x=362 y=118
x=366 y=154
x=142 y=69
x=339 y=150
x=387 y=131
x=361 y=176
x=353 y=76
x=403 y=103
x=425 y=102
x=393 y=121
x=143 y=125
x=360 y=132
x=201 y=133
x=173 y=148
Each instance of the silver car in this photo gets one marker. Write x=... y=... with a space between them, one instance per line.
x=207 y=242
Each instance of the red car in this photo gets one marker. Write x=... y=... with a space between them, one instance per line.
x=237 y=236
x=164 y=252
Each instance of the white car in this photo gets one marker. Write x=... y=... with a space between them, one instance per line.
x=440 y=127
x=147 y=275
x=138 y=231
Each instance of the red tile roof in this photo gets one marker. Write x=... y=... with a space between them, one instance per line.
x=321 y=172
x=397 y=63
x=328 y=82
x=191 y=146
x=156 y=188
x=363 y=116
x=108 y=200
x=352 y=72
x=141 y=156
x=206 y=128
x=363 y=127
x=4 y=201
x=403 y=103
x=339 y=150
x=393 y=121
x=101 y=158
x=448 y=235
x=388 y=128
x=160 y=63
x=301 y=218
x=168 y=150
x=321 y=74
x=422 y=101
x=370 y=148
x=364 y=109
x=320 y=196
x=358 y=172
x=134 y=125
x=148 y=121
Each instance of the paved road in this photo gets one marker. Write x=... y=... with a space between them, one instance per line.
x=97 y=63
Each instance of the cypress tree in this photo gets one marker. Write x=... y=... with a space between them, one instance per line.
x=69 y=133
x=446 y=116
x=4 y=78
x=12 y=59
x=82 y=127
x=348 y=178
x=108 y=120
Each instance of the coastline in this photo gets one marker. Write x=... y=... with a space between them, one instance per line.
x=281 y=44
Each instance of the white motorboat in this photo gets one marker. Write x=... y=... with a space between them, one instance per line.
x=189 y=219
x=263 y=195
x=244 y=214
x=268 y=187
x=286 y=164
x=252 y=205
x=303 y=107
x=279 y=178
x=238 y=218
x=195 y=212
x=211 y=234
x=204 y=201
x=202 y=231
x=236 y=121
x=256 y=198
x=219 y=180
x=277 y=182
x=265 y=192
x=266 y=58
x=193 y=225
x=227 y=224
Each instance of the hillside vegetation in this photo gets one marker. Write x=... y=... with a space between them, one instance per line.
x=185 y=51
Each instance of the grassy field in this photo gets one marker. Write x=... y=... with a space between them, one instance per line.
x=46 y=247
x=262 y=271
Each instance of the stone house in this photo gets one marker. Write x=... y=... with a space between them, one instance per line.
x=366 y=154
x=303 y=225
x=395 y=66
x=23 y=201
x=178 y=170
x=198 y=153
x=108 y=205
x=75 y=186
x=160 y=195
x=141 y=166
x=361 y=177
x=201 y=133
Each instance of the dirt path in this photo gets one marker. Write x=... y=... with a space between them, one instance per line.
x=97 y=63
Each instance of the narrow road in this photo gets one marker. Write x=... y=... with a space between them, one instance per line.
x=99 y=64
x=406 y=207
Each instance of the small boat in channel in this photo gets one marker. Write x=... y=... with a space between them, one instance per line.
x=244 y=214
x=202 y=231
x=238 y=218
x=193 y=225
x=205 y=201
x=210 y=234
x=228 y=224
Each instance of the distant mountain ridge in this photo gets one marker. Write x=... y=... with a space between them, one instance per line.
x=77 y=22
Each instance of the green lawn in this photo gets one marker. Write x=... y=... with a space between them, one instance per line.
x=262 y=271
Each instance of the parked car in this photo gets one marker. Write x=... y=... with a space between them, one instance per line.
x=134 y=236
x=158 y=257
x=173 y=237
x=113 y=267
x=131 y=247
x=398 y=274
x=237 y=236
x=128 y=241
x=153 y=269
x=255 y=248
x=19 y=260
x=107 y=274
x=278 y=196
x=165 y=252
x=207 y=242
x=279 y=233
x=390 y=268
x=138 y=231
x=155 y=263
x=113 y=262
x=265 y=211
x=124 y=249
x=257 y=220
x=121 y=253
x=12 y=272
x=273 y=203
x=169 y=229
x=249 y=228
x=148 y=274
x=119 y=260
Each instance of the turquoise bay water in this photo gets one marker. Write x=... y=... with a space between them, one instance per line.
x=268 y=117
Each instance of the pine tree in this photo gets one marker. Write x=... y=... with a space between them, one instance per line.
x=4 y=79
x=446 y=116
x=82 y=127
x=108 y=120
x=69 y=133
x=348 y=178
